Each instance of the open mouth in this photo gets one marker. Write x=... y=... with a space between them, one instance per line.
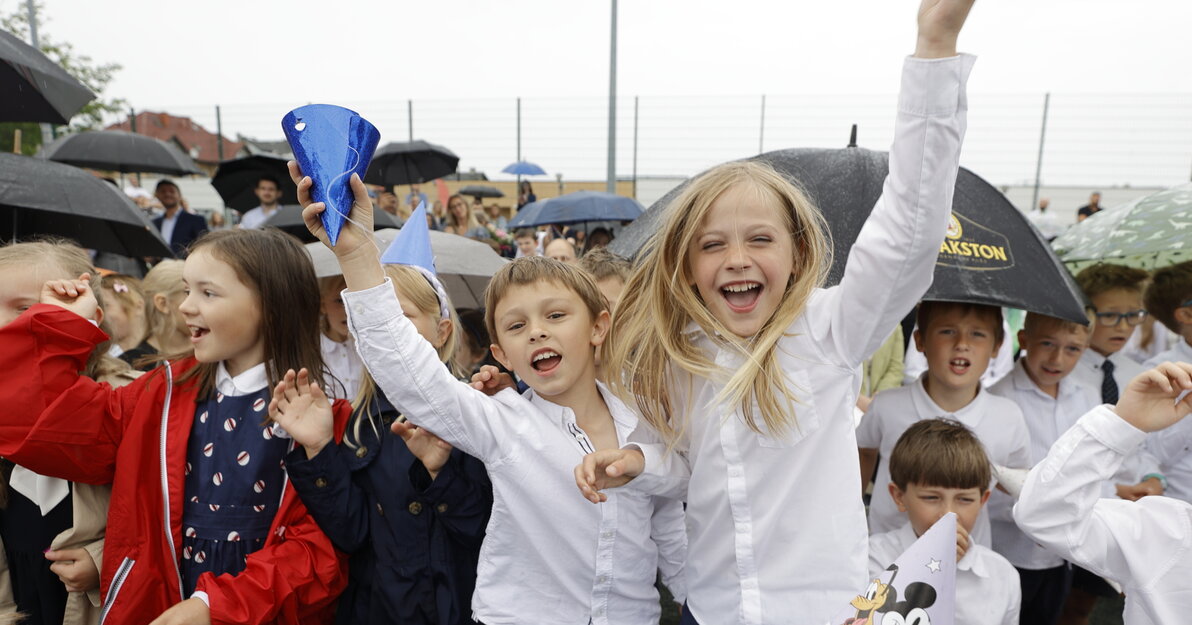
x=742 y=296
x=959 y=366
x=197 y=333
x=545 y=360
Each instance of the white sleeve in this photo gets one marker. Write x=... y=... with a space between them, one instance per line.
x=890 y=265
x=1000 y=504
x=669 y=533
x=667 y=472
x=416 y=382
x=1061 y=506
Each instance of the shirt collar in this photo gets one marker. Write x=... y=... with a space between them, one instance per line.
x=334 y=346
x=1024 y=383
x=623 y=418
x=973 y=561
x=927 y=408
x=250 y=381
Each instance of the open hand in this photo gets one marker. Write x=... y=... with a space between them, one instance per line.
x=355 y=234
x=1149 y=401
x=75 y=568
x=73 y=295
x=940 y=22
x=430 y=449
x=491 y=380
x=188 y=612
x=302 y=408
x=608 y=468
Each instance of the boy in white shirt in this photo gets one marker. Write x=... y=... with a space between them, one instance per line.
x=1169 y=300
x=938 y=466
x=548 y=556
x=958 y=340
x=1051 y=402
x=1115 y=294
x=1145 y=545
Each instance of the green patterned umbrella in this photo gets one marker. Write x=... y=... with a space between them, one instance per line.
x=1151 y=232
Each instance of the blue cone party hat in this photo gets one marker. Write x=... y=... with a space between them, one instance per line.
x=411 y=247
x=330 y=144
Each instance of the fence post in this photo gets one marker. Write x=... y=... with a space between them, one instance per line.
x=219 y=133
x=410 y=117
x=761 y=133
x=1039 y=161
x=635 y=147
x=611 y=185
x=519 y=156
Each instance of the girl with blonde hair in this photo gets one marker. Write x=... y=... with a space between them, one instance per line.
x=748 y=368
x=126 y=321
x=163 y=293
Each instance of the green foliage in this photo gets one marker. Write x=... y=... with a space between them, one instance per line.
x=95 y=76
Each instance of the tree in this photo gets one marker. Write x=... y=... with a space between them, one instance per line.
x=95 y=76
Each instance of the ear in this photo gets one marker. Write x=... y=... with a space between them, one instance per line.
x=445 y=327
x=897 y=494
x=918 y=336
x=996 y=348
x=161 y=303
x=1183 y=315
x=499 y=354
x=1022 y=337
x=600 y=328
x=985 y=496
x=98 y=316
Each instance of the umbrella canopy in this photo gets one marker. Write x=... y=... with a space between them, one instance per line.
x=40 y=197
x=117 y=150
x=577 y=207
x=524 y=168
x=992 y=254
x=35 y=88
x=463 y=265
x=1149 y=233
x=289 y=219
x=236 y=180
x=410 y=162
x=480 y=190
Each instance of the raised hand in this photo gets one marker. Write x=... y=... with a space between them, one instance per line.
x=302 y=408
x=430 y=449
x=608 y=468
x=940 y=22
x=357 y=252
x=963 y=542
x=1149 y=402
x=73 y=295
x=490 y=380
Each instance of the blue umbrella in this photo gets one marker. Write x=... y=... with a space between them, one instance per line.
x=524 y=168
x=577 y=207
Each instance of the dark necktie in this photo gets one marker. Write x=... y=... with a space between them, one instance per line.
x=1109 y=388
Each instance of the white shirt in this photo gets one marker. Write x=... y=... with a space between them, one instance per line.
x=987 y=588
x=1046 y=419
x=1088 y=371
x=996 y=421
x=914 y=362
x=1162 y=339
x=1180 y=352
x=257 y=217
x=549 y=555
x=775 y=522
x=1172 y=448
x=1049 y=223
x=344 y=363
x=167 y=225
x=1145 y=545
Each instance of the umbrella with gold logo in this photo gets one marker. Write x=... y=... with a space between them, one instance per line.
x=991 y=255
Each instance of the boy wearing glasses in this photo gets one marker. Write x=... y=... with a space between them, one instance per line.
x=1169 y=298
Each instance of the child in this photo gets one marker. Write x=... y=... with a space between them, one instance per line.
x=527 y=242
x=1115 y=292
x=203 y=525
x=1169 y=299
x=168 y=333
x=1051 y=401
x=418 y=563
x=54 y=530
x=125 y=313
x=609 y=271
x=547 y=557
x=339 y=352
x=959 y=340
x=749 y=371
x=1145 y=545
x=938 y=466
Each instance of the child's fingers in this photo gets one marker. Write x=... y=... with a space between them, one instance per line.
x=360 y=192
x=290 y=391
x=317 y=394
x=302 y=381
x=295 y=172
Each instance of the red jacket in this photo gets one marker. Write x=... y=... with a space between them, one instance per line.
x=58 y=423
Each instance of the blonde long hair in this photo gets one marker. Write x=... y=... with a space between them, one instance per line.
x=417 y=292
x=649 y=343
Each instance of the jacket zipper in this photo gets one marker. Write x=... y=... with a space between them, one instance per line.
x=117 y=582
x=165 y=485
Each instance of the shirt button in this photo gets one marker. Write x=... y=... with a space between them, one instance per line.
x=415 y=508
x=361 y=452
x=441 y=508
x=602 y=579
x=380 y=510
x=320 y=482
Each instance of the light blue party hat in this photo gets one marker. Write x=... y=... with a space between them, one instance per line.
x=411 y=246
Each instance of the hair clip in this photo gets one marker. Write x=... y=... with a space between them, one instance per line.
x=119 y=287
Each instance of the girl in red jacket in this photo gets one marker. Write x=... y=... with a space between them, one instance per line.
x=203 y=526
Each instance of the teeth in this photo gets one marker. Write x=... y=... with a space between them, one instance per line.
x=544 y=356
x=741 y=287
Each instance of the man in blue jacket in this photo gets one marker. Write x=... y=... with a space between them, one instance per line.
x=178 y=227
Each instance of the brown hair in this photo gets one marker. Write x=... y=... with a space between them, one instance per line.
x=1035 y=322
x=277 y=267
x=929 y=309
x=603 y=264
x=1104 y=277
x=942 y=453
x=1170 y=287
x=531 y=269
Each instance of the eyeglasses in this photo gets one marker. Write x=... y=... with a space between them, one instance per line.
x=1111 y=319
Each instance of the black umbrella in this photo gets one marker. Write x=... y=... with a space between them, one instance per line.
x=481 y=190
x=289 y=219
x=236 y=180
x=35 y=88
x=410 y=162
x=117 y=150
x=992 y=254
x=41 y=197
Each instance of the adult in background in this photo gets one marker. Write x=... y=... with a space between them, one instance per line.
x=416 y=196
x=178 y=227
x=1090 y=209
x=1047 y=222
x=525 y=194
x=268 y=191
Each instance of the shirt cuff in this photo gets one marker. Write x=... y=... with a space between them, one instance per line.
x=935 y=87
x=370 y=307
x=202 y=596
x=1103 y=424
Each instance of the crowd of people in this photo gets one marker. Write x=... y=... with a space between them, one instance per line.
x=230 y=439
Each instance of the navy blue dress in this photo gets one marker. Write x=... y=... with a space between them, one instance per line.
x=413 y=544
x=234 y=481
